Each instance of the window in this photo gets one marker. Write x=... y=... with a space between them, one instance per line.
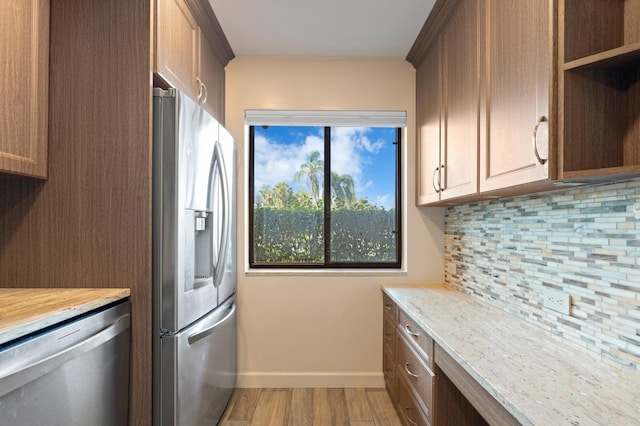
x=298 y=161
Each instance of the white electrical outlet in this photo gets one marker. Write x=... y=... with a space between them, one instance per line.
x=557 y=301
x=452 y=268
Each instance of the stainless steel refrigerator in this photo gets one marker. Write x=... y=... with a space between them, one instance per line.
x=194 y=267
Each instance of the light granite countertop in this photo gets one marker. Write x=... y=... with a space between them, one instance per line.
x=536 y=377
x=24 y=311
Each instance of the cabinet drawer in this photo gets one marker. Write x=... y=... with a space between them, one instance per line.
x=389 y=307
x=407 y=408
x=415 y=372
x=410 y=330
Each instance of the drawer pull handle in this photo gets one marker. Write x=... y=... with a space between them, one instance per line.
x=406 y=368
x=411 y=332
x=388 y=336
x=406 y=416
x=389 y=306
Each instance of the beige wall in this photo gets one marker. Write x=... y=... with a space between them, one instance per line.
x=311 y=330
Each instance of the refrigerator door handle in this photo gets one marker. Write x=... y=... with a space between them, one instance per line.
x=224 y=185
x=20 y=377
x=201 y=334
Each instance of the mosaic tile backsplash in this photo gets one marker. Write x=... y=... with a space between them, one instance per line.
x=585 y=242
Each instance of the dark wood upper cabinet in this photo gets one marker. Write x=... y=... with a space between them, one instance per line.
x=559 y=96
x=518 y=86
x=191 y=52
x=447 y=99
x=177 y=46
x=429 y=122
x=24 y=96
x=461 y=72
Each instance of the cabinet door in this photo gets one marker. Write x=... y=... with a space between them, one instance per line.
x=517 y=93
x=429 y=138
x=212 y=77
x=461 y=85
x=24 y=92
x=177 y=46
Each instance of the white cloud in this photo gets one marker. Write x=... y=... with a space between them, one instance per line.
x=349 y=153
x=276 y=162
x=382 y=200
x=345 y=158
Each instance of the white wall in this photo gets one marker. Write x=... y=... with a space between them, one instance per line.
x=306 y=329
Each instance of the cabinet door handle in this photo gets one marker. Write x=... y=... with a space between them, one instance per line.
x=433 y=180
x=411 y=332
x=199 y=95
x=541 y=120
x=409 y=372
x=406 y=416
x=205 y=94
x=389 y=306
x=202 y=92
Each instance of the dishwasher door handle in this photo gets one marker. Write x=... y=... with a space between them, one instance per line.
x=23 y=375
x=201 y=334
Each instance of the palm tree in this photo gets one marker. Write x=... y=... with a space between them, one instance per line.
x=343 y=189
x=310 y=171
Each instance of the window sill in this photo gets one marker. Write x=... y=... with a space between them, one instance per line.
x=326 y=272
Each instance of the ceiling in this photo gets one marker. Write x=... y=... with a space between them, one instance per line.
x=322 y=28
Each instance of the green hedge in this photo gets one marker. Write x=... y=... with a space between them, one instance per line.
x=294 y=236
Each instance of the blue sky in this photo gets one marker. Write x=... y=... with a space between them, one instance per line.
x=365 y=153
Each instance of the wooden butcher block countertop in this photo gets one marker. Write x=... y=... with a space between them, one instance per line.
x=24 y=311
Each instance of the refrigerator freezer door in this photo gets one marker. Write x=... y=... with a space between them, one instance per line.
x=198 y=366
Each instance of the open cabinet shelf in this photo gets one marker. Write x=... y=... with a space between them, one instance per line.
x=600 y=89
x=614 y=58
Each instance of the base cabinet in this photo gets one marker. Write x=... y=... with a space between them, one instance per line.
x=420 y=390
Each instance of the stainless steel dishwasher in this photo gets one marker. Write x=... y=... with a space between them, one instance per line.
x=76 y=373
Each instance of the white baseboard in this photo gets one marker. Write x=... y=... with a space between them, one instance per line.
x=261 y=379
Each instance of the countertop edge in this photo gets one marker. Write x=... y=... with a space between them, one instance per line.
x=31 y=319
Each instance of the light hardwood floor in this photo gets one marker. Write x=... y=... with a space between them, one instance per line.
x=310 y=407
